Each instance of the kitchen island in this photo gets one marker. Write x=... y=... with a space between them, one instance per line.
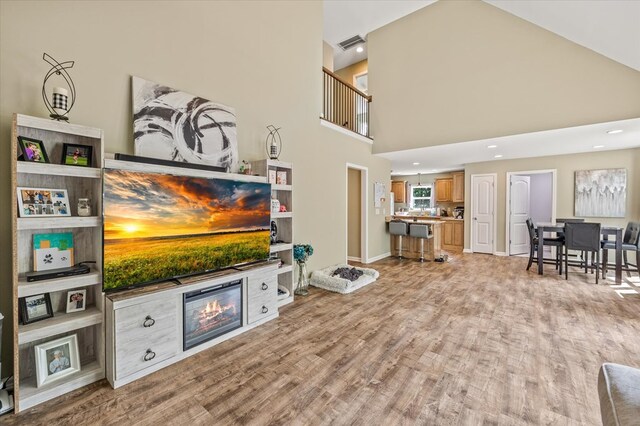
x=411 y=245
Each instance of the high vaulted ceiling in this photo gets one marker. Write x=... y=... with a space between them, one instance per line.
x=609 y=27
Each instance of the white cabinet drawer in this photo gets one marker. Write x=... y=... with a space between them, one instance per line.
x=146 y=334
x=262 y=288
x=133 y=358
x=261 y=307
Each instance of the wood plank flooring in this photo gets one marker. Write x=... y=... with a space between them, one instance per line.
x=475 y=341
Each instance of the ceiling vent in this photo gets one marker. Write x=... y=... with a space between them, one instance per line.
x=351 y=42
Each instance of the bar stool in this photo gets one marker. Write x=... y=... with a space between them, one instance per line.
x=398 y=228
x=420 y=230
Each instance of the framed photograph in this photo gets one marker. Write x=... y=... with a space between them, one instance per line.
x=32 y=150
x=77 y=155
x=35 y=308
x=56 y=359
x=272 y=177
x=76 y=300
x=39 y=202
x=281 y=178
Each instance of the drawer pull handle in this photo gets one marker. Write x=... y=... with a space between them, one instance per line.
x=265 y=309
x=149 y=355
x=265 y=286
x=148 y=321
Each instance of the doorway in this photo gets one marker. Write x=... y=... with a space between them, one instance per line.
x=483 y=213
x=530 y=194
x=356 y=231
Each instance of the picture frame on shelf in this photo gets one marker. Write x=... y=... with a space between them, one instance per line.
x=42 y=202
x=272 y=177
x=56 y=359
x=76 y=300
x=32 y=150
x=77 y=155
x=35 y=308
x=281 y=177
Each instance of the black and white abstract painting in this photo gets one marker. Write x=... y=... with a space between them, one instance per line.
x=173 y=125
x=601 y=193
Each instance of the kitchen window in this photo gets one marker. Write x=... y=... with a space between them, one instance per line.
x=421 y=196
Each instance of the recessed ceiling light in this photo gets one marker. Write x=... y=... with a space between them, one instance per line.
x=492 y=146
x=434 y=171
x=498 y=156
x=598 y=146
x=416 y=164
x=613 y=132
x=359 y=49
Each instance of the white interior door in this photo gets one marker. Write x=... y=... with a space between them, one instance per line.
x=519 y=211
x=483 y=193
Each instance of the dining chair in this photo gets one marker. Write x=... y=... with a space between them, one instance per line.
x=561 y=235
x=583 y=236
x=630 y=242
x=534 y=240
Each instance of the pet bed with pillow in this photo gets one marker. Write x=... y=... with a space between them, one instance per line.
x=324 y=278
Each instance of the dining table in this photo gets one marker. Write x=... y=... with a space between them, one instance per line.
x=606 y=231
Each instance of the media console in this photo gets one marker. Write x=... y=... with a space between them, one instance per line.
x=153 y=327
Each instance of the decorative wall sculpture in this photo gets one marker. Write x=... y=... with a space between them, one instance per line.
x=175 y=125
x=601 y=193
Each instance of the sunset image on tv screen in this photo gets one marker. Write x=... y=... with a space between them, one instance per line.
x=159 y=226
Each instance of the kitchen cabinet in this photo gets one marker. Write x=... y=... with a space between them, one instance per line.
x=443 y=189
x=399 y=189
x=457 y=195
x=452 y=234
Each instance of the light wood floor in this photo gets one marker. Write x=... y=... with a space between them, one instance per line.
x=476 y=341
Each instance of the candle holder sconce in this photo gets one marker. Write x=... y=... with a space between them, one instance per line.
x=62 y=98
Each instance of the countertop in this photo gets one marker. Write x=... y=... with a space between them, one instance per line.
x=433 y=218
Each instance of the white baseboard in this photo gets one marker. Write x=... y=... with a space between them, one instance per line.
x=501 y=253
x=467 y=250
x=376 y=258
x=353 y=259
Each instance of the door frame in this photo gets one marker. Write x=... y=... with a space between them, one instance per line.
x=554 y=176
x=364 y=213
x=495 y=209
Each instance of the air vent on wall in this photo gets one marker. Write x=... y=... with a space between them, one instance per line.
x=351 y=42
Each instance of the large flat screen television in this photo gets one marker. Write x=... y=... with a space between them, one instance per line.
x=159 y=227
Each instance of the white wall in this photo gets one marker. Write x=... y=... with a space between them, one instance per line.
x=541 y=197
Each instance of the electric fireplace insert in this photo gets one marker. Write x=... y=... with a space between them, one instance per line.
x=212 y=312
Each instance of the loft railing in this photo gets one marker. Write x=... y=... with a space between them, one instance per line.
x=344 y=105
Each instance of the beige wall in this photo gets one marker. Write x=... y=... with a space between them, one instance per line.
x=566 y=166
x=464 y=70
x=232 y=52
x=347 y=73
x=327 y=56
x=354 y=195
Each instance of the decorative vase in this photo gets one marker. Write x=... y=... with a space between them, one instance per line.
x=302 y=289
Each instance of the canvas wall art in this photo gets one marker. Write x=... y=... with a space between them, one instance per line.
x=173 y=125
x=601 y=193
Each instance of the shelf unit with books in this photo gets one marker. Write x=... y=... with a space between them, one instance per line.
x=88 y=324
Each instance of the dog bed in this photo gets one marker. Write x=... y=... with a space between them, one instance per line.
x=322 y=279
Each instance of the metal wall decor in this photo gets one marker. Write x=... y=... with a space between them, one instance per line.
x=62 y=99
x=273 y=142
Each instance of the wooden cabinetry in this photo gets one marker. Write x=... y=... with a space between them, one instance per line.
x=283 y=192
x=457 y=195
x=452 y=234
x=80 y=182
x=443 y=189
x=399 y=189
